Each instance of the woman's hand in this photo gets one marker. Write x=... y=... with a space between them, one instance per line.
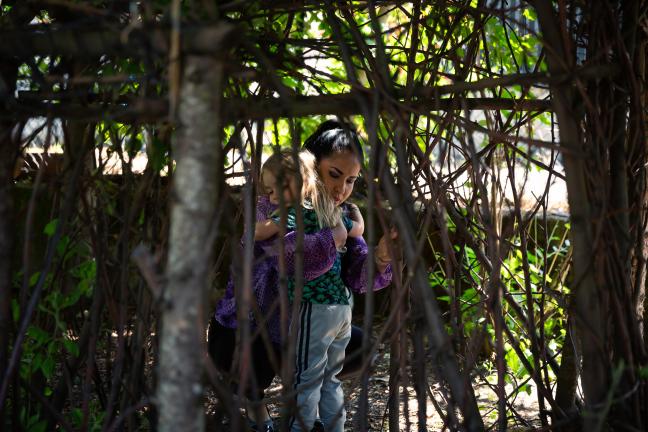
x=339 y=235
x=382 y=256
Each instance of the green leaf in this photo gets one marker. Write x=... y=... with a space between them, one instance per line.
x=643 y=372
x=77 y=416
x=38 y=334
x=158 y=153
x=15 y=310
x=34 y=279
x=36 y=362
x=528 y=14
x=62 y=245
x=289 y=81
x=47 y=366
x=50 y=228
x=71 y=347
x=86 y=270
x=40 y=426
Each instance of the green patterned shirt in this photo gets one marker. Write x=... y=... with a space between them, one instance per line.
x=329 y=287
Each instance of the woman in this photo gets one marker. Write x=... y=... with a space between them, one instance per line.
x=339 y=157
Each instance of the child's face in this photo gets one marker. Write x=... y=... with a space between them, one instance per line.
x=274 y=190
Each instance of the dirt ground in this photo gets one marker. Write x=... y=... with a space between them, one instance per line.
x=525 y=405
x=523 y=412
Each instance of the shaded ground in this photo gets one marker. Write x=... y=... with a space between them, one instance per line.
x=523 y=410
x=525 y=405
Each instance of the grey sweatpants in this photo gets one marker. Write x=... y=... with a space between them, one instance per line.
x=324 y=332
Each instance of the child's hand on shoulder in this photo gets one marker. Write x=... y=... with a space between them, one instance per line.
x=353 y=211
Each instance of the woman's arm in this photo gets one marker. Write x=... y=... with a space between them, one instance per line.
x=319 y=250
x=355 y=268
x=318 y=254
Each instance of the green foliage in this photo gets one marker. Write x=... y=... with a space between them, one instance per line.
x=158 y=153
x=537 y=287
x=49 y=336
x=96 y=417
x=544 y=282
x=31 y=422
x=643 y=372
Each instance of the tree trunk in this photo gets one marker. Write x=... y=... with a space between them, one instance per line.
x=8 y=152
x=605 y=157
x=589 y=316
x=9 y=149
x=637 y=43
x=182 y=341
x=567 y=381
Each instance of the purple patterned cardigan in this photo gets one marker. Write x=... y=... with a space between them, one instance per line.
x=319 y=254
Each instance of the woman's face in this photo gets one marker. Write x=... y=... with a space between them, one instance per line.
x=338 y=172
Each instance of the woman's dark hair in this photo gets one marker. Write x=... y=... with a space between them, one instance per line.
x=331 y=137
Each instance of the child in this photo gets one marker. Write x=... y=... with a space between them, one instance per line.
x=279 y=184
x=325 y=310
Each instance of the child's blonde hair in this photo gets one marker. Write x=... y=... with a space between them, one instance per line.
x=281 y=164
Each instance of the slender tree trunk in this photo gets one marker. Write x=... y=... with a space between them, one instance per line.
x=9 y=149
x=637 y=43
x=640 y=264
x=182 y=343
x=605 y=157
x=589 y=316
x=628 y=149
x=567 y=380
x=395 y=359
x=8 y=152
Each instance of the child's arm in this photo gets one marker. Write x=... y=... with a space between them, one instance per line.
x=358 y=221
x=265 y=229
